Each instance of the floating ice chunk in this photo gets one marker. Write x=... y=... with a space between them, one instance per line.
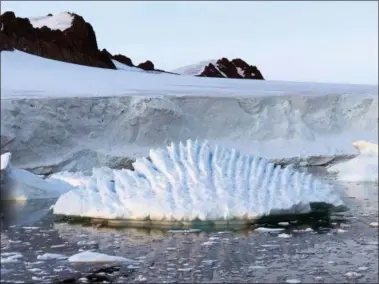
x=184 y=231
x=48 y=256
x=373 y=224
x=293 y=281
x=10 y=257
x=353 y=274
x=89 y=256
x=196 y=181
x=24 y=185
x=264 y=229
x=303 y=230
x=5 y=159
x=365 y=147
x=284 y=236
x=364 y=167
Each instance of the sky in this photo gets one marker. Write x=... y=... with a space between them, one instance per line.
x=322 y=41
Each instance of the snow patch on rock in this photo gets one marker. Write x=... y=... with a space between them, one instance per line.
x=61 y=21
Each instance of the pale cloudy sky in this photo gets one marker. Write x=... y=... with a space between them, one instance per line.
x=297 y=41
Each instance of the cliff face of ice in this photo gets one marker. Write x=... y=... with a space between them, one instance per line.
x=50 y=135
x=196 y=181
x=58 y=116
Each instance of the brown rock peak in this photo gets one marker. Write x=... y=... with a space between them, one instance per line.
x=147 y=65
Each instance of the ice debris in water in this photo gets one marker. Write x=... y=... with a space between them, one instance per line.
x=194 y=180
x=5 y=159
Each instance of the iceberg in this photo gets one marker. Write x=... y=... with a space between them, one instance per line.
x=363 y=167
x=196 y=181
x=19 y=184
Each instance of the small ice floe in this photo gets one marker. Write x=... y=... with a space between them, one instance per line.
x=293 y=281
x=86 y=243
x=184 y=231
x=303 y=230
x=318 y=278
x=264 y=230
x=133 y=266
x=34 y=270
x=208 y=243
x=212 y=239
x=208 y=261
x=49 y=256
x=284 y=236
x=58 y=246
x=362 y=268
x=341 y=231
x=89 y=256
x=270 y=246
x=373 y=224
x=352 y=274
x=10 y=257
x=5 y=160
x=343 y=225
x=140 y=278
x=256 y=267
x=186 y=269
x=283 y=223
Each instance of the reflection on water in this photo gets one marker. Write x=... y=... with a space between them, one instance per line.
x=24 y=212
x=30 y=229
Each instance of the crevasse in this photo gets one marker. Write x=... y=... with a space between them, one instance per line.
x=194 y=180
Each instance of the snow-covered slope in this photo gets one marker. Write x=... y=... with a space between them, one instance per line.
x=60 y=116
x=121 y=66
x=61 y=21
x=195 y=180
x=364 y=167
x=194 y=69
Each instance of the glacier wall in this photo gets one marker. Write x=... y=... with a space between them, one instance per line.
x=191 y=181
x=76 y=134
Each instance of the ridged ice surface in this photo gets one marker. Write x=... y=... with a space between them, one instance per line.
x=194 y=180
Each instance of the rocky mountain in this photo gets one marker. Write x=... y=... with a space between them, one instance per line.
x=222 y=68
x=64 y=37
x=69 y=38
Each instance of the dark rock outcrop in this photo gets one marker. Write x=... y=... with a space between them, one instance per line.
x=237 y=69
x=147 y=65
x=123 y=59
x=77 y=44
